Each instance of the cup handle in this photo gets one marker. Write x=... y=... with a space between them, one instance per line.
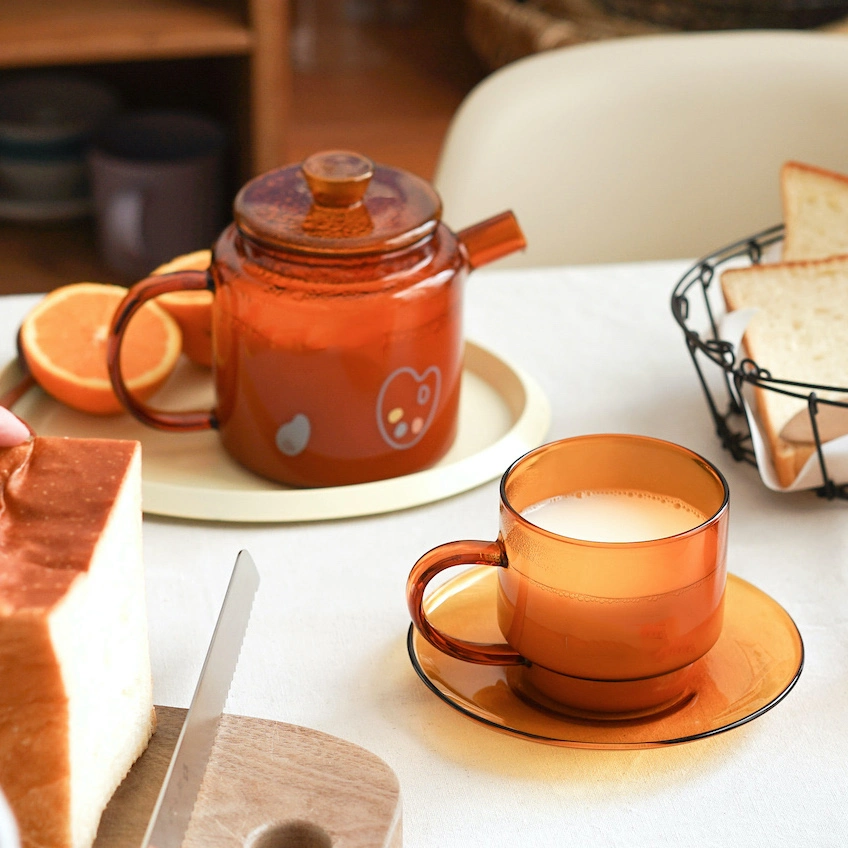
x=436 y=560
x=136 y=297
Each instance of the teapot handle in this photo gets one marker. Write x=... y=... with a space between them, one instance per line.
x=492 y=239
x=136 y=297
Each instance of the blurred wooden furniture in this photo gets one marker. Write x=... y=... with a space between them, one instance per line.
x=37 y=33
x=226 y=57
x=384 y=86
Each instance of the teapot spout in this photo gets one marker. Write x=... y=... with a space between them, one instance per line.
x=492 y=239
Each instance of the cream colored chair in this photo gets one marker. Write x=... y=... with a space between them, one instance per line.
x=646 y=147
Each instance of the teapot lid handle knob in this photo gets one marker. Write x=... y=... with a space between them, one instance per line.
x=337 y=178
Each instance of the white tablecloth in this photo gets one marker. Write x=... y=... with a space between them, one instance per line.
x=326 y=642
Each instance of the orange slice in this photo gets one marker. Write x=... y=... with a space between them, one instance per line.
x=63 y=340
x=192 y=310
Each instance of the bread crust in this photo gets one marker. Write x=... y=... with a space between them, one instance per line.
x=70 y=571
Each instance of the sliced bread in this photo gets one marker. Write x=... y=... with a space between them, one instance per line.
x=815 y=212
x=800 y=333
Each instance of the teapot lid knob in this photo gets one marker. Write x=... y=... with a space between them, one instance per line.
x=337 y=178
x=337 y=203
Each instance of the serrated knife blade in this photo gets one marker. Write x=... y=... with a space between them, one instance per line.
x=172 y=812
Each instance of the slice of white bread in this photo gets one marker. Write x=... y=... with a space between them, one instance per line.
x=815 y=212
x=76 y=703
x=800 y=333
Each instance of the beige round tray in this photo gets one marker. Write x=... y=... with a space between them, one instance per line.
x=503 y=414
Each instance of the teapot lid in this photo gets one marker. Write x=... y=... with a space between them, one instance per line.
x=337 y=203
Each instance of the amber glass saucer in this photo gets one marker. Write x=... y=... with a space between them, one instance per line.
x=755 y=663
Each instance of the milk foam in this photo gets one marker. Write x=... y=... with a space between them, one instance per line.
x=623 y=515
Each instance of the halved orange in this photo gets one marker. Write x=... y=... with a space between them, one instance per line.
x=63 y=340
x=191 y=309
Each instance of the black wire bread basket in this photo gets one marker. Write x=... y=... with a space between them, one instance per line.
x=725 y=372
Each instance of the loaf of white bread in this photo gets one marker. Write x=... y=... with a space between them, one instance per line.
x=76 y=703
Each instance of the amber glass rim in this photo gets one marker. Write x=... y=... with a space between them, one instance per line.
x=698 y=528
x=341 y=249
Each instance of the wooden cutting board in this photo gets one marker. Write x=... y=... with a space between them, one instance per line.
x=267 y=785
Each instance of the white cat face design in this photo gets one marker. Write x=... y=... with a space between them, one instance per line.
x=406 y=405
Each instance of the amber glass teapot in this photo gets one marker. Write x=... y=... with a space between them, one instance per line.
x=336 y=323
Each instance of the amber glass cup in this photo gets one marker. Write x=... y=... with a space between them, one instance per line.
x=597 y=628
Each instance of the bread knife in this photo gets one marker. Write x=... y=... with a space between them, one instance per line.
x=175 y=803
